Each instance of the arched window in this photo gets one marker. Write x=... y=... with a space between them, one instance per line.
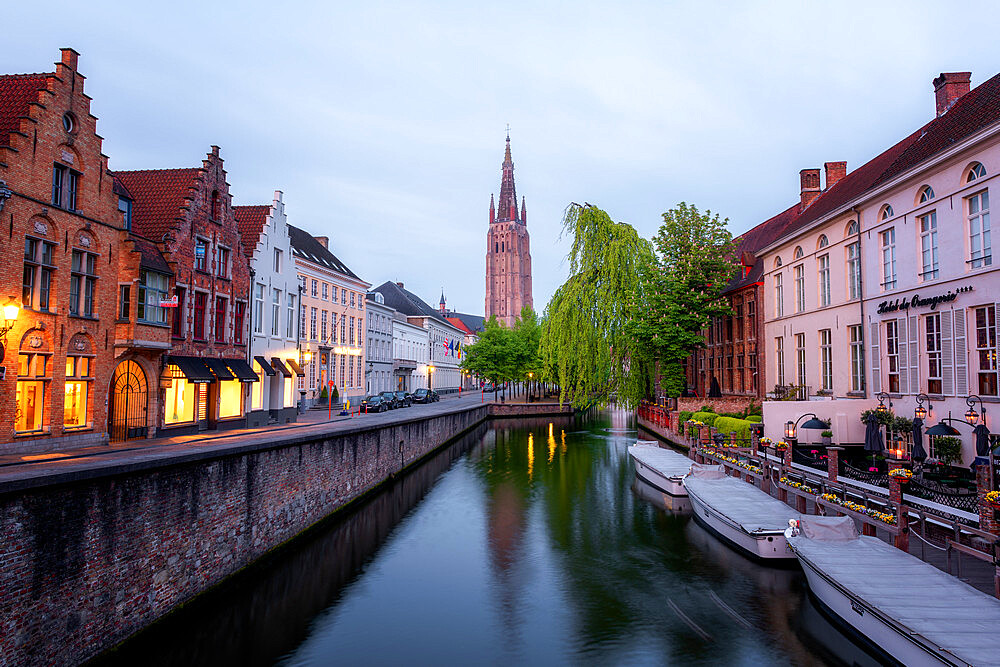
x=127 y=414
x=823 y=241
x=34 y=374
x=925 y=194
x=777 y=262
x=886 y=213
x=216 y=206
x=798 y=253
x=975 y=170
x=852 y=228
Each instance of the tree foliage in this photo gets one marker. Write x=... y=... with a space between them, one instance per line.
x=680 y=295
x=586 y=344
x=504 y=355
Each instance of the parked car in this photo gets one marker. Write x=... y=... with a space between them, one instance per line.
x=390 y=398
x=405 y=398
x=422 y=396
x=374 y=404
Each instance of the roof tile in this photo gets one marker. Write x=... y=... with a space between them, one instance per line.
x=158 y=195
x=250 y=220
x=17 y=92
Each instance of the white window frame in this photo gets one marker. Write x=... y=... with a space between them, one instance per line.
x=927 y=226
x=978 y=218
x=888 y=245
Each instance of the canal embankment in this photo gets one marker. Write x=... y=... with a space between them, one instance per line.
x=97 y=548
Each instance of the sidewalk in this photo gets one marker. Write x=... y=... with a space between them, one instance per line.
x=16 y=468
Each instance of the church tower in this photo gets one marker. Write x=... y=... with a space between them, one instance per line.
x=508 y=256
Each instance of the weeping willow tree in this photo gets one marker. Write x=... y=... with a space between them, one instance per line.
x=587 y=345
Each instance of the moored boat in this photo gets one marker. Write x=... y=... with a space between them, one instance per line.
x=912 y=611
x=662 y=468
x=740 y=513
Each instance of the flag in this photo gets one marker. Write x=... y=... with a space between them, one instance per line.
x=451 y=346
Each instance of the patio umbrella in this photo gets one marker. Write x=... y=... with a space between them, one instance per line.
x=873 y=436
x=982 y=445
x=919 y=454
x=714 y=390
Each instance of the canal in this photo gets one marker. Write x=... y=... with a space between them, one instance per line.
x=524 y=542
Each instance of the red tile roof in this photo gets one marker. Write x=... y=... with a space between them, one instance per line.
x=17 y=92
x=458 y=323
x=756 y=238
x=250 y=220
x=158 y=195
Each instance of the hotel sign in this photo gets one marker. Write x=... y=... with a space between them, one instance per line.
x=349 y=351
x=917 y=301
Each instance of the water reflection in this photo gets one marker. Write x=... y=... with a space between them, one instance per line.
x=529 y=542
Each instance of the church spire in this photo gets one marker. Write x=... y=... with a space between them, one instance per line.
x=507 y=206
x=493 y=211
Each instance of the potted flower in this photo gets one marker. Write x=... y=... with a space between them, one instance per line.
x=781 y=445
x=827 y=435
x=901 y=475
x=993 y=498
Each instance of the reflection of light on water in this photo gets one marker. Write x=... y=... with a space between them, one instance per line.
x=562 y=449
x=531 y=454
x=552 y=444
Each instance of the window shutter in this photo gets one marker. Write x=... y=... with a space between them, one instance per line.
x=914 y=355
x=961 y=355
x=947 y=360
x=876 y=359
x=904 y=368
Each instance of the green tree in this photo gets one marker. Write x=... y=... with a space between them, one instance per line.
x=489 y=357
x=586 y=346
x=682 y=291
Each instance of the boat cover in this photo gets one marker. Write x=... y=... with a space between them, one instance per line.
x=707 y=471
x=742 y=503
x=829 y=528
x=667 y=462
x=927 y=602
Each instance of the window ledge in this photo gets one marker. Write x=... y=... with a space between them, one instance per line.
x=77 y=429
x=29 y=434
x=226 y=278
x=83 y=317
x=160 y=325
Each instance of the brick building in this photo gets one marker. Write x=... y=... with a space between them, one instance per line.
x=59 y=263
x=732 y=360
x=508 y=252
x=188 y=212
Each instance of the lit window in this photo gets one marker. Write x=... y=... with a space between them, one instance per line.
x=257 y=388
x=31 y=392
x=976 y=170
x=980 y=244
x=78 y=379
x=230 y=399
x=179 y=398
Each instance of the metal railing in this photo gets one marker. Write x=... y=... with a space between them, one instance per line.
x=799 y=456
x=867 y=476
x=967 y=501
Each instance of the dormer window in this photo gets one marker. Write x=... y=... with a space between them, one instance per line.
x=925 y=194
x=125 y=206
x=886 y=212
x=976 y=170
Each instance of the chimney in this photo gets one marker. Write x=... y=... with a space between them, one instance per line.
x=809 y=181
x=948 y=88
x=834 y=172
x=325 y=242
x=69 y=57
x=400 y=285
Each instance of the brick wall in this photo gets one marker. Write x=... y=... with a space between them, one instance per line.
x=719 y=405
x=91 y=560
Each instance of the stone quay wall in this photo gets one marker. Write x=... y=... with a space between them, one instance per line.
x=90 y=557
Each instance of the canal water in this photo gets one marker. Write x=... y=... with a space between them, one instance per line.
x=525 y=542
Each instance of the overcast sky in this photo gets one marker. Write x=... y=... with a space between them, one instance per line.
x=383 y=123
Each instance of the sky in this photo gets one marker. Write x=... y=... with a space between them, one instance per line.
x=383 y=123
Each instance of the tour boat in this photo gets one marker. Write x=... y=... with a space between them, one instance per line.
x=903 y=607
x=663 y=468
x=740 y=513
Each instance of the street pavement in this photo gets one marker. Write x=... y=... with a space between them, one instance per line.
x=26 y=470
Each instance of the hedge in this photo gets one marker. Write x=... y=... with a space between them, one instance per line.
x=755 y=419
x=706 y=418
x=727 y=425
x=684 y=416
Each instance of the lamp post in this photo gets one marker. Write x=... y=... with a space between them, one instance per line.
x=530 y=377
x=10 y=312
x=430 y=371
x=920 y=412
x=971 y=415
x=814 y=423
x=881 y=407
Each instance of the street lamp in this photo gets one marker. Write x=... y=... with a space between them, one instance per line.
x=430 y=370
x=921 y=412
x=882 y=397
x=971 y=415
x=815 y=423
x=10 y=312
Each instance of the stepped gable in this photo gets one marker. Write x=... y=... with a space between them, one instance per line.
x=306 y=246
x=159 y=196
x=17 y=93
x=251 y=220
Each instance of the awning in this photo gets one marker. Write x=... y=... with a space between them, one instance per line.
x=193 y=368
x=264 y=366
x=241 y=370
x=277 y=365
x=219 y=367
x=295 y=367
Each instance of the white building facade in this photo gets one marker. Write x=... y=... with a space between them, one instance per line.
x=379 y=345
x=410 y=350
x=274 y=315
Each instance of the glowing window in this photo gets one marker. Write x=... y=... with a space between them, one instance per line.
x=230 y=398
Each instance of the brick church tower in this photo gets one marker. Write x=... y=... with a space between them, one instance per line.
x=508 y=257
